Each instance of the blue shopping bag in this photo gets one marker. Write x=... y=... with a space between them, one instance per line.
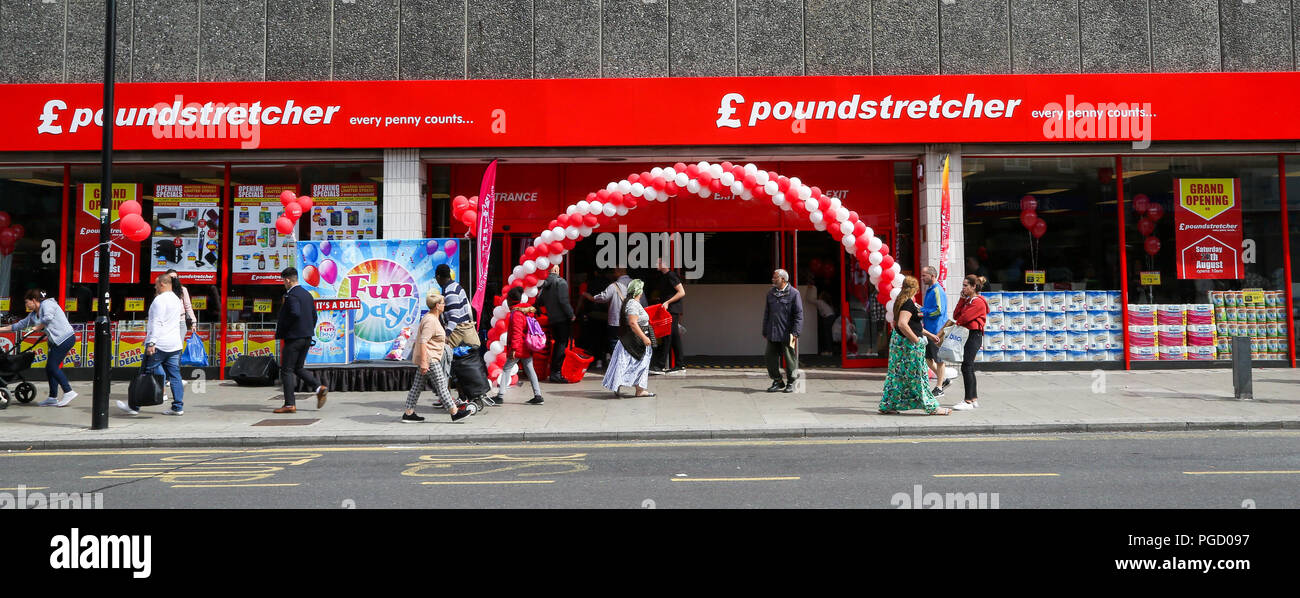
x=194 y=355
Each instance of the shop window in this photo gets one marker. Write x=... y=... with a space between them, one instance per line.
x=30 y=197
x=1293 y=219
x=1190 y=258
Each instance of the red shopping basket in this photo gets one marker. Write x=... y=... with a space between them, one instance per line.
x=575 y=363
x=660 y=320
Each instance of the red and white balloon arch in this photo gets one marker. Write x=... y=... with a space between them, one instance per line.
x=747 y=182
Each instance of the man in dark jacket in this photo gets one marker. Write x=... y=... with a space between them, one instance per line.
x=296 y=325
x=559 y=316
x=782 y=321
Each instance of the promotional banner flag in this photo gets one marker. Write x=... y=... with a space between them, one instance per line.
x=487 y=202
x=945 y=227
x=1207 y=221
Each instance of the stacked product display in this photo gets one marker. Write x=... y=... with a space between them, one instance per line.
x=1053 y=326
x=1172 y=332
x=1265 y=324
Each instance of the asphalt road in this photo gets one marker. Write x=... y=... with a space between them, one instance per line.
x=1168 y=470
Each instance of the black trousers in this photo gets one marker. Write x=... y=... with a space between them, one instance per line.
x=974 y=340
x=561 y=332
x=672 y=343
x=292 y=359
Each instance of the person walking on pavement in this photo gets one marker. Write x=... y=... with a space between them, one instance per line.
x=629 y=365
x=428 y=354
x=559 y=314
x=295 y=326
x=458 y=314
x=782 y=322
x=515 y=350
x=164 y=341
x=613 y=295
x=668 y=355
x=934 y=312
x=48 y=316
x=906 y=383
x=971 y=313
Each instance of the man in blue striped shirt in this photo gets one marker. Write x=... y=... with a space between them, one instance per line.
x=459 y=315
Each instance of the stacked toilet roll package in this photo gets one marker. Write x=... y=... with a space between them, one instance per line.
x=1053 y=326
x=1204 y=331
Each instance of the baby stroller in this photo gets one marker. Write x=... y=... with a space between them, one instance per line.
x=471 y=375
x=12 y=365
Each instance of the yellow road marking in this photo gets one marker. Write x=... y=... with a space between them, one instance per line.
x=478 y=482
x=1278 y=472
x=230 y=485
x=771 y=479
x=996 y=475
x=27 y=488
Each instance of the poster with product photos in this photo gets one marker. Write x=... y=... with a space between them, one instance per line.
x=260 y=251
x=344 y=212
x=186 y=232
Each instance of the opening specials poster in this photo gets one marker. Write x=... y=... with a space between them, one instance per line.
x=345 y=212
x=390 y=278
x=260 y=251
x=186 y=232
x=123 y=254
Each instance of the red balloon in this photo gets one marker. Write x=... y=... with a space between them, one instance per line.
x=715 y=185
x=128 y=207
x=1140 y=203
x=530 y=281
x=593 y=197
x=884 y=249
x=1028 y=204
x=133 y=228
x=883 y=298
x=886 y=276
x=659 y=184
x=634 y=178
x=859 y=228
x=616 y=198
x=1152 y=245
x=1027 y=219
x=1146 y=227
x=630 y=202
x=823 y=204
x=552 y=224
x=7 y=237
x=862 y=243
x=556 y=247
x=1106 y=175
x=1040 y=229
x=311 y=275
x=19 y=230
x=562 y=220
x=287 y=197
x=1155 y=211
x=679 y=167
x=602 y=196
x=469 y=218
x=589 y=220
x=460 y=203
x=853 y=217
x=882 y=289
x=750 y=182
x=671 y=189
x=834 y=230
x=284 y=225
x=816 y=192
x=886 y=262
x=305 y=202
x=864 y=256
x=530 y=254
x=568 y=244
x=727 y=166
x=293 y=211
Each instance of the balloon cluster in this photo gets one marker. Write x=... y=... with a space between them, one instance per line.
x=134 y=226
x=747 y=182
x=1029 y=217
x=294 y=207
x=10 y=233
x=318 y=265
x=1149 y=213
x=465 y=211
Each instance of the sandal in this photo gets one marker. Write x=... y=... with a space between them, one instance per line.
x=889 y=412
x=941 y=411
x=648 y=394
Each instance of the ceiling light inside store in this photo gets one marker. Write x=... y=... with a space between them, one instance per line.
x=903 y=192
x=377 y=179
x=1133 y=173
x=39 y=182
x=1054 y=211
x=1047 y=191
x=989 y=204
x=212 y=181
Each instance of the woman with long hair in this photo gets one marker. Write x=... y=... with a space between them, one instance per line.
x=971 y=312
x=629 y=365
x=906 y=384
x=48 y=316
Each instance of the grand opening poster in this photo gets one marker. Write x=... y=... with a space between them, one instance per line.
x=1207 y=220
x=390 y=278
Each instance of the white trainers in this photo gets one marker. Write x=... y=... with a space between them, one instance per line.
x=963 y=406
x=127 y=408
x=67 y=398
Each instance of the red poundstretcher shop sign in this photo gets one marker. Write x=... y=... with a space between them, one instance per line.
x=634 y=112
x=1207 y=220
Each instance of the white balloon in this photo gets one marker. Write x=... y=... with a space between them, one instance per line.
x=770 y=188
x=795 y=182
x=835 y=204
x=810 y=204
x=531 y=291
x=778 y=198
x=496 y=346
x=715 y=170
x=727 y=179
x=637 y=190
x=705 y=192
x=609 y=209
x=585 y=231
x=820 y=225
x=538 y=241
x=841 y=214
x=571 y=233
x=595 y=208
x=762 y=178
x=805 y=192
x=583 y=206
x=621 y=211
x=874 y=272
x=558 y=233
x=611 y=187
x=669 y=173
x=845 y=227
x=875 y=258
x=889 y=311
x=570 y=210
x=518 y=272
x=897 y=281
x=815 y=217
x=897 y=268
x=681 y=179
x=529 y=268
x=874 y=244
x=847 y=241
x=751 y=169
x=500 y=311
x=869 y=234
x=746 y=195
x=702 y=165
x=624 y=187
x=656 y=172
x=557 y=258
x=545 y=237
x=737 y=188
x=693 y=186
x=893 y=293
x=543 y=263
x=649 y=194
x=786 y=206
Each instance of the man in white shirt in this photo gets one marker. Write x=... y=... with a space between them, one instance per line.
x=164 y=341
x=613 y=295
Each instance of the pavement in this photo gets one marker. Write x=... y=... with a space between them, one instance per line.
x=694 y=404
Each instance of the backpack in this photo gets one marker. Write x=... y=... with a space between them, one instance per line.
x=534 y=336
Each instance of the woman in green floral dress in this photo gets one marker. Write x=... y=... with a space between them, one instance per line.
x=906 y=384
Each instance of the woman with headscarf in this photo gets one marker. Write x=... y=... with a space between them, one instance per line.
x=630 y=363
x=907 y=384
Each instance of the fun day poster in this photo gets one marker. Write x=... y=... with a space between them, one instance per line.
x=390 y=278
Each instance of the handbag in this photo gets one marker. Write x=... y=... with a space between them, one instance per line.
x=194 y=355
x=145 y=390
x=953 y=347
x=631 y=342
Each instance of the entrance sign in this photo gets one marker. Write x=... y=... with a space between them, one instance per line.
x=1207 y=221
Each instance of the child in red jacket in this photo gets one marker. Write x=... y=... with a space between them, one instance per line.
x=516 y=352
